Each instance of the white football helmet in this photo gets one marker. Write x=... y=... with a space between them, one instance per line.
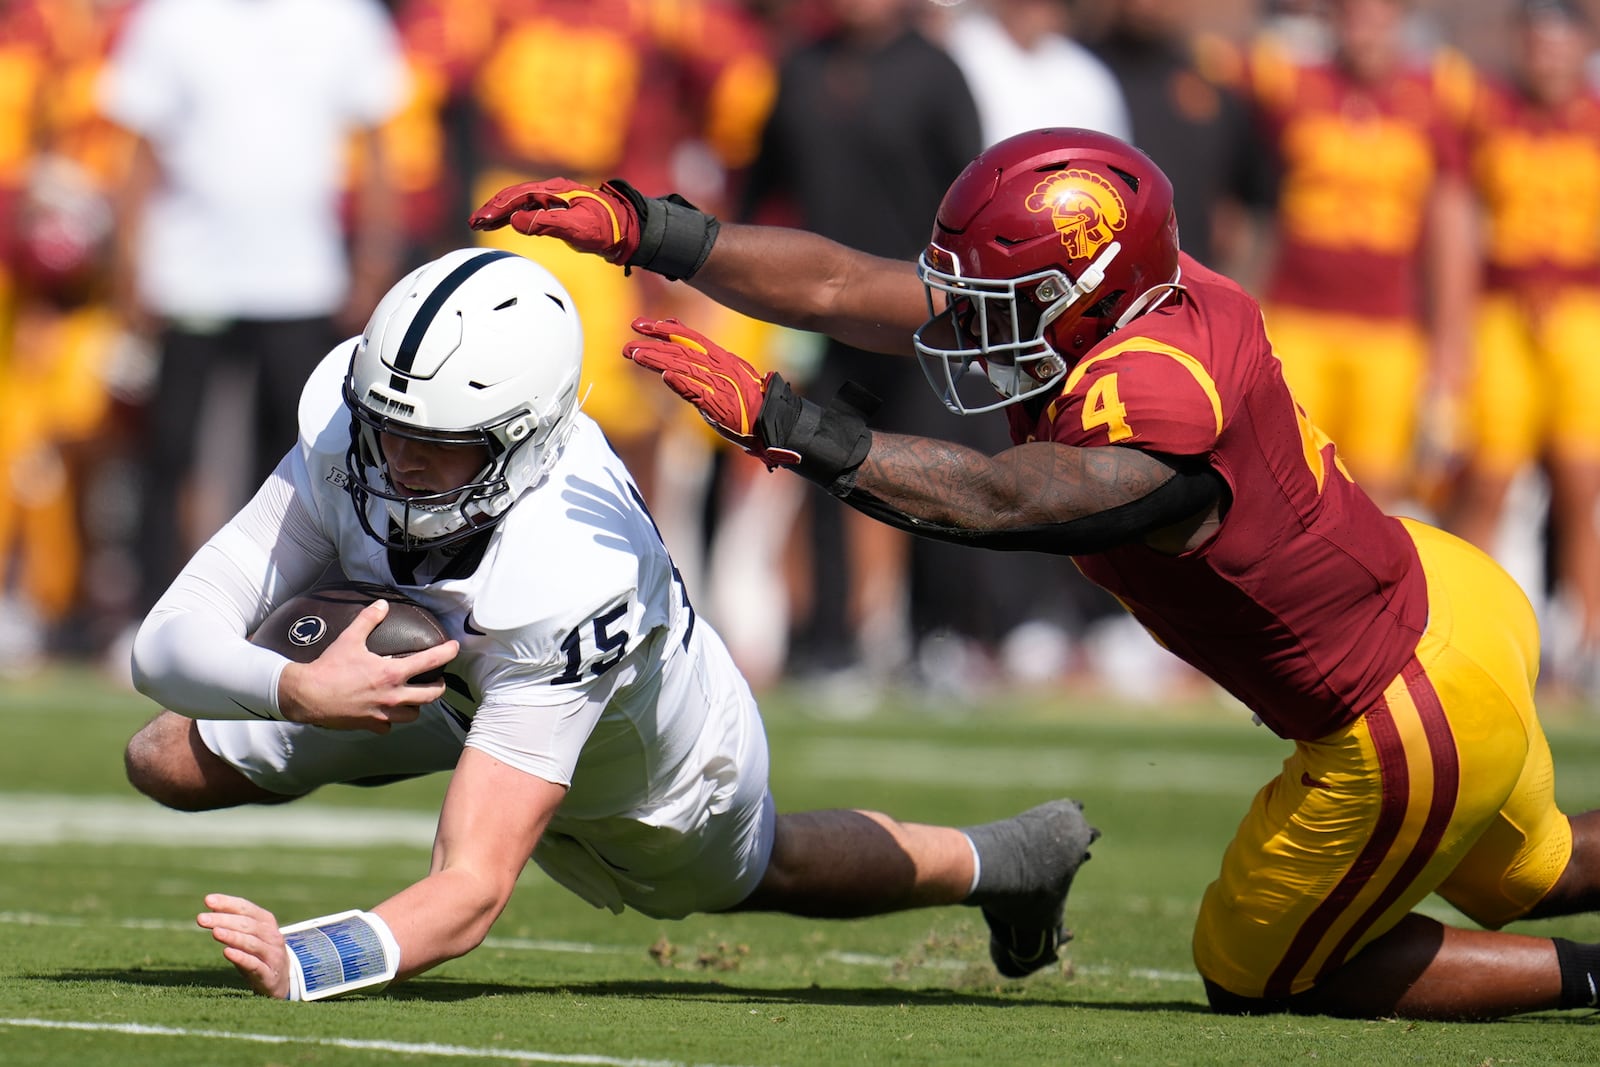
x=476 y=347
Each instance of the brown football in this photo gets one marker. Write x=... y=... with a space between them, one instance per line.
x=302 y=626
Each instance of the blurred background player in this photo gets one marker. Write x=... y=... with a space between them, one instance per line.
x=58 y=163
x=1367 y=296
x=670 y=92
x=1025 y=622
x=1026 y=70
x=1188 y=114
x=1535 y=389
x=872 y=120
x=230 y=247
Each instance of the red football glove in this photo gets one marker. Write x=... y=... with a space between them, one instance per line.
x=599 y=221
x=727 y=391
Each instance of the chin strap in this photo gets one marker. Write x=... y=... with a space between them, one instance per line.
x=1151 y=299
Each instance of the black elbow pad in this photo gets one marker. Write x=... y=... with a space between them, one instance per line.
x=1190 y=489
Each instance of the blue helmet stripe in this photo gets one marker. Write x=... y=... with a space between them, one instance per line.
x=418 y=329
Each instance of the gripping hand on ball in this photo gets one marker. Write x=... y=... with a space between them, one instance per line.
x=350 y=687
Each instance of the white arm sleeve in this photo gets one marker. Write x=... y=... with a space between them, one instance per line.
x=191 y=654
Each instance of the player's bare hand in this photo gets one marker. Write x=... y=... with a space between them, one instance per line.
x=248 y=934
x=600 y=221
x=349 y=687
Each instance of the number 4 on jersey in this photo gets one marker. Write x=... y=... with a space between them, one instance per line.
x=1102 y=407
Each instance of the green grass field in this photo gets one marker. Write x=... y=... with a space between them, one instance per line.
x=101 y=965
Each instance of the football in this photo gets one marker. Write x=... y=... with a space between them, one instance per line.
x=302 y=626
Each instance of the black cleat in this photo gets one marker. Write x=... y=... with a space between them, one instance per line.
x=1041 y=851
x=1019 y=951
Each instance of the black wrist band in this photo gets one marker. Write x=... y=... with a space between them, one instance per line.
x=831 y=441
x=675 y=237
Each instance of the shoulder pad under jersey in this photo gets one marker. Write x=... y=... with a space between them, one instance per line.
x=324 y=419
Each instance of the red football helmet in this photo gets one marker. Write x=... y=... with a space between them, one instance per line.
x=1044 y=244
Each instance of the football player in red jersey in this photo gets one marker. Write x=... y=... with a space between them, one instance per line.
x=59 y=161
x=1368 y=294
x=1535 y=385
x=1156 y=442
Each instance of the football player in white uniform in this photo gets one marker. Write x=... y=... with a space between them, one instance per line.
x=592 y=721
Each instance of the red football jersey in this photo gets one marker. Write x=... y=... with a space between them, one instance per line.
x=1359 y=165
x=1309 y=600
x=1537 y=171
x=593 y=89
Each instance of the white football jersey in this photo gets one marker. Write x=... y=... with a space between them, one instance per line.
x=582 y=660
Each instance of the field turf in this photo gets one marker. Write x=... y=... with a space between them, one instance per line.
x=101 y=964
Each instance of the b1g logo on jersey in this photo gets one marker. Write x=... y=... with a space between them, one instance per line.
x=1086 y=209
x=337 y=478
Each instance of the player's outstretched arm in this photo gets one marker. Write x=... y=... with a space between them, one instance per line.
x=349 y=687
x=1039 y=497
x=782 y=275
x=1042 y=497
x=807 y=282
x=492 y=818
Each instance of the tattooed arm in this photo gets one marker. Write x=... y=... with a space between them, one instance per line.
x=1041 y=497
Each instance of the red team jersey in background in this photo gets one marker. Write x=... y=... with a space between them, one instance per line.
x=598 y=88
x=1538 y=172
x=1309 y=600
x=28 y=53
x=1359 y=163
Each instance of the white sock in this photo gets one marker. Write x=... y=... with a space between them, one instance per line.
x=977 y=865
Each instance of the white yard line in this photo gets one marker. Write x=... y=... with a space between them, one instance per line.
x=49 y=819
x=400 y=1047
x=509 y=944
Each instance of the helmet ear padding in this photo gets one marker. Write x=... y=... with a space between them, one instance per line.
x=476 y=347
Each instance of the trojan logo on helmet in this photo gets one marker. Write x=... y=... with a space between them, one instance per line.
x=1086 y=209
x=940 y=259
